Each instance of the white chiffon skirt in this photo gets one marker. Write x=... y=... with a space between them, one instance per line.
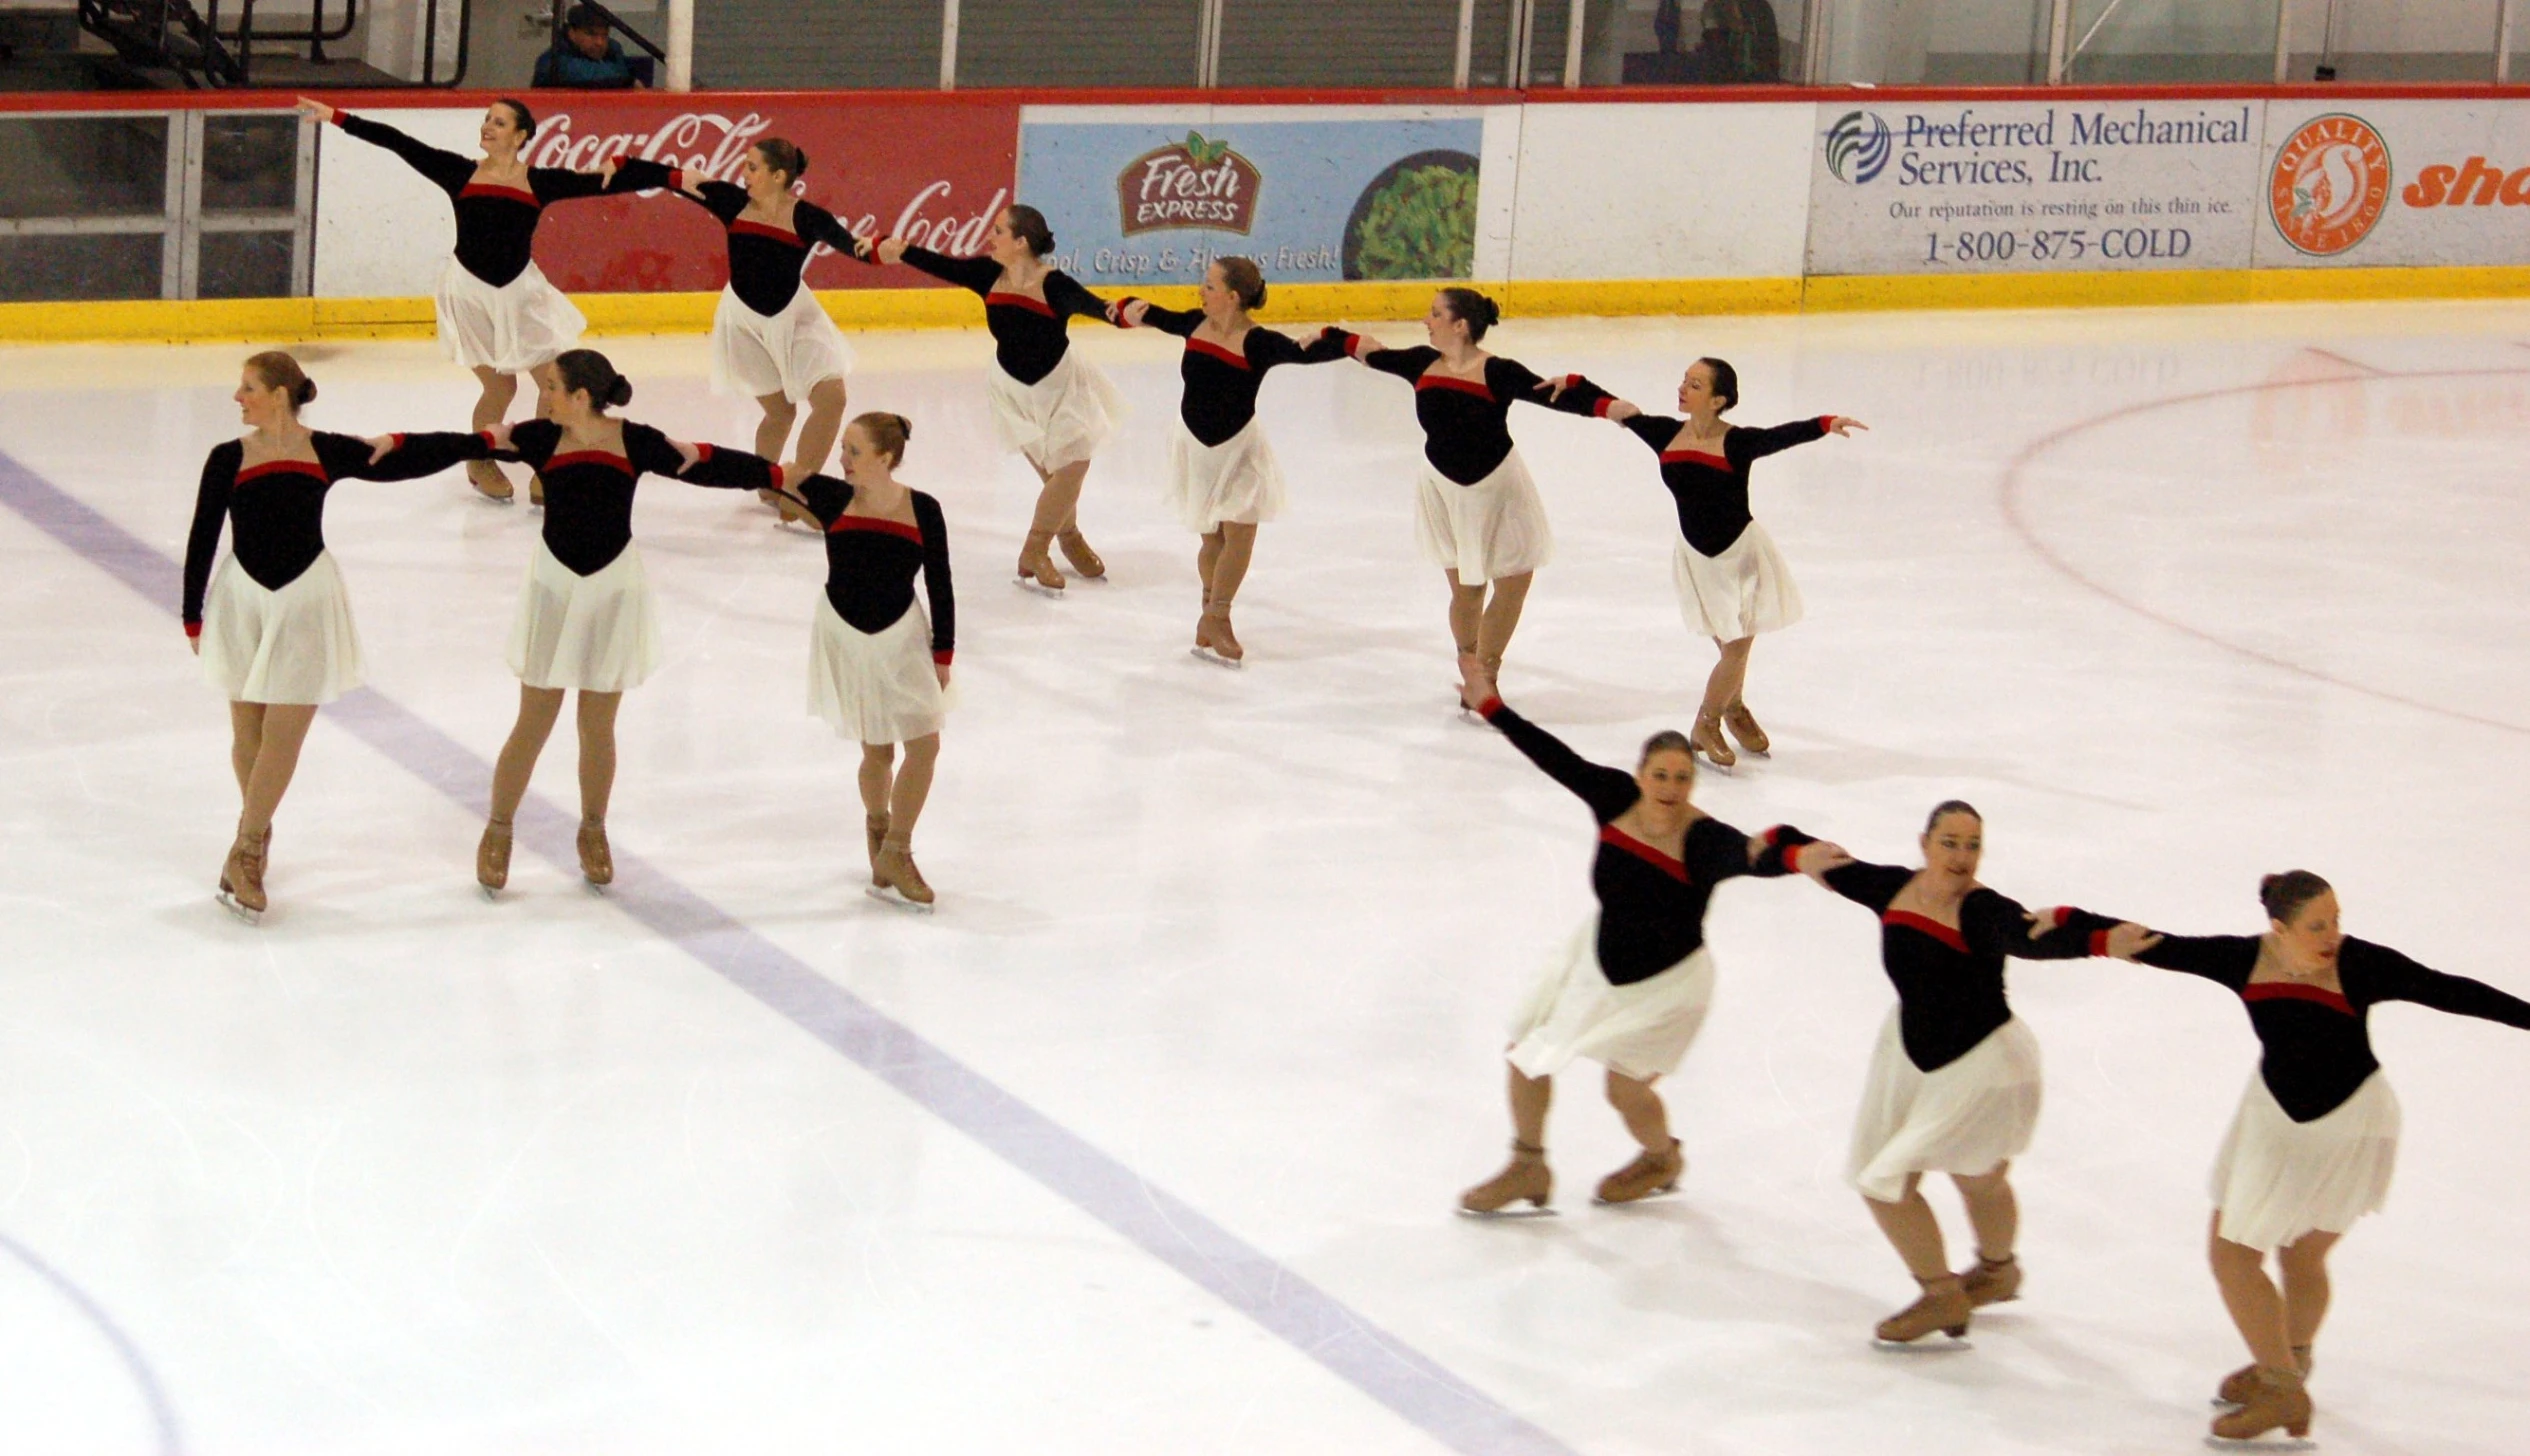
x=1494 y=528
x=1746 y=590
x=596 y=633
x=1059 y=420
x=1979 y=1111
x=1237 y=481
x=875 y=687
x=295 y=645
x=513 y=328
x=1641 y=1029
x=2276 y=1179
x=788 y=354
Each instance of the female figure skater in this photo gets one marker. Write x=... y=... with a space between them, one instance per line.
x=770 y=337
x=584 y=615
x=1047 y=404
x=273 y=627
x=1478 y=516
x=1732 y=582
x=878 y=668
x=497 y=314
x=1223 y=480
x=1953 y=1086
x=1630 y=989
x=2313 y=1145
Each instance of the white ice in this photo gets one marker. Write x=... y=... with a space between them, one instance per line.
x=2175 y=597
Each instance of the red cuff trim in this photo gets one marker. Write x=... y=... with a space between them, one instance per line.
x=1116 y=310
x=942 y=656
x=398 y=438
x=486 y=437
x=1489 y=707
x=1827 y=423
x=1792 y=857
x=702 y=451
x=2099 y=942
x=1352 y=346
x=676 y=178
x=193 y=630
x=1599 y=410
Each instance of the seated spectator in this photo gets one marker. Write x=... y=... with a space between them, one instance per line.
x=587 y=57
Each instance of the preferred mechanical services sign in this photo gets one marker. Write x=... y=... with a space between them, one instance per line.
x=1311 y=201
x=2025 y=187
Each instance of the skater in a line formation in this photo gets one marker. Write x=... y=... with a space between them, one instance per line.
x=1223 y=480
x=771 y=340
x=497 y=314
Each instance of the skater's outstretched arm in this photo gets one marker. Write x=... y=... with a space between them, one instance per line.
x=2385 y=975
x=1608 y=791
x=399 y=456
x=202 y=543
x=1743 y=444
x=976 y=275
x=935 y=579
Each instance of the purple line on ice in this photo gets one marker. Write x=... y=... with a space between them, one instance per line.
x=1307 y=1318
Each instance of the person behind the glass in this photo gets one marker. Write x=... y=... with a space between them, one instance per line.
x=586 y=56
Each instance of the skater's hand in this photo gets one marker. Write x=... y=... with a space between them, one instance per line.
x=891 y=250
x=500 y=434
x=1839 y=425
x=864 y=249
x=941 y=671
x=1619 y=411
x=193 y=642
x=1133 y=311
x=316 y=111
x=2042 y=923
x=2127 y=941
x=606 y=169
x=380 y=446
x=1821 y=855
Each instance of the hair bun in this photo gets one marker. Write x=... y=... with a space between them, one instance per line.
x=905 y=426
x=1493 y=313
x=619 y=393
x=305 y=394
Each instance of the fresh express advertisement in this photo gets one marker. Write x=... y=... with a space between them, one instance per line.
x=1311 y=201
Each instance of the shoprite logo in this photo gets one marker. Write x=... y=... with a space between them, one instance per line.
x=1190 y=184
x=2330 y=185
x=1858 y=147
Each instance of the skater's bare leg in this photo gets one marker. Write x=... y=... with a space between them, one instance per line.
x=1993 y=1211
x=1501 y=618
x=913 y=785
x=1913 y=1231
x=537 y=710
x=1466 y=612
x=498 y=391
x=1229 y=566
x=2305 y=1266
x=245 y=739
x=2256 y=1308
x=1059 y=501
x=1729 y=677
x=878 y=775
x=284 y=732
x=1530 y=1097
x=1641 y=1108
x=773 y=432
x=597 y=752
x=1207 y=560
x=825 y=422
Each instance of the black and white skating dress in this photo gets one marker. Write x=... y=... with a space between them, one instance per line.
x=1220 y=468
x=585 y=614
x=496 y=311
x=1732 y=581
x=1477 y=511
x=1954 y=1080
x=873 y=650
x=273 y=620
x=769 y=334
x=1630 y=989
x=2316 y=1137
x=1048 y=403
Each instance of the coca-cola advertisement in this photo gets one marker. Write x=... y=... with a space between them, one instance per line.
x=1310 y=201
x=932 y=170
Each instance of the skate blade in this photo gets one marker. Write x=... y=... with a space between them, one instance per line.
x=230 y=903
x=888 y=896
x=1030 y=583
x=1507 y=1214
x=1926 y=1346
x=1653 y=1197
x=1206 y=654
x=596 y=889
x=2280 y=1442
x=490 y=895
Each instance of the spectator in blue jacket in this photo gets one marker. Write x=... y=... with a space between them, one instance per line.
x=587 y=57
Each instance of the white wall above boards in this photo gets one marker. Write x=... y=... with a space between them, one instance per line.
x=1652 y=190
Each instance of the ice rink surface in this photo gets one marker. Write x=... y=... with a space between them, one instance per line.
x=1149 y=1140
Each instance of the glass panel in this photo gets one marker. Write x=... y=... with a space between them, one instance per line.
x=1358 y=43
x=1079 y=42
x=42 y=268
x=814 y=44
x=2127 y=41
x=244 y=265
x=83 y=166
x=1917 y=42
x=1703 y=42
x=2400 y=40
x=250 y=163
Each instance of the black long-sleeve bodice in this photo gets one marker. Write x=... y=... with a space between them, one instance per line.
x=1711 y=490
x=1028 y=332
x=871 y=562
x=2317 y=1042
x=589 y=493
x=496 y=225
x=1466 y=422
x=275 y=511
x=1651 y=905
x=765 y=259
x=1221 y=383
